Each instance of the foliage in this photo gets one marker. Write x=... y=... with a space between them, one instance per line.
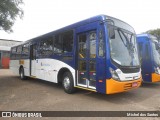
x=155 y=32
x=9 y=11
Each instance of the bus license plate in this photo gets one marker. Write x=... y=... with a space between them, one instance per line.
x=135 y=84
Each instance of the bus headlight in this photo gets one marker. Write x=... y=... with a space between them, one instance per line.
x=156 y=69
x=114 y=74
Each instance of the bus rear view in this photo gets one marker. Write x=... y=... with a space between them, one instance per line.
x=149 y=52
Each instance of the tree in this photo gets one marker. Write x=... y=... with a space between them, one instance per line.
x=9 y=11
x=155 y=32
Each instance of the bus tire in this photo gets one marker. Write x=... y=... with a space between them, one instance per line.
x=21 y=73
x=67 y=83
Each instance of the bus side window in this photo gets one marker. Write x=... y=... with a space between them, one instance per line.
x=63 y=43
x=57 y=44
x=82 y=41
x=25 y=50
x=41 y=48
x=101 y=44
x=34 y=51
x=146 y=52
x=46 y=47
x=67 y=41
x=19 y=51
x=140 y=51
x=13 y=53
x=49 y=46
x=92 y=44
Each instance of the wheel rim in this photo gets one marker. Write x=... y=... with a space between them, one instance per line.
x=66 y=83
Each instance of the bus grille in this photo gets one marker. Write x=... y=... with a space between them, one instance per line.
x=130 y=70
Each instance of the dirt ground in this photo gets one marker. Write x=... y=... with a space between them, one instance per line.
x=38 y=95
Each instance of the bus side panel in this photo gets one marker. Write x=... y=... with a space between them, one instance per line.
x=40 y=68
x=25 y=65
x=101 y=82
x=48 y=68
x=101 y=64
x=14 y=66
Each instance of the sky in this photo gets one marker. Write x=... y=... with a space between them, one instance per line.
x=43 y=16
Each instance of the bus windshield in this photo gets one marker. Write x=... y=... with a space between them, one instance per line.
x=156 y=52
x=123 y=48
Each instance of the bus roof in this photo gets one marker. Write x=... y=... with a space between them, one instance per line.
x=147 y=35
x=143 y=35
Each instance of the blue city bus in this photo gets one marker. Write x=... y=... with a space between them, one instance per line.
x=97 y=54
x=149 y=53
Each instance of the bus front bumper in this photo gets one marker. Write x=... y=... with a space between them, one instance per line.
x=155 y=77
x=113 y=86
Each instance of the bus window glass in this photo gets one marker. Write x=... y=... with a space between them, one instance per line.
x=57 y=44
x=92 y=38
x=147 y=52
x=26 y=48
x=140 y=51
x=19 y=50
x=63 y=43
x=41 y=48
x=82 y=46
x=13 y=53
x=67 y=41
x=49 y=46
x=34 y=52
x=14 y=50
x=123 y=48
x=156 y=53
x=46 y=47
x=101 y=45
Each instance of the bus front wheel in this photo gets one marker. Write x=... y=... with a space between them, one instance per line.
x=68 y=83
x=21 y=73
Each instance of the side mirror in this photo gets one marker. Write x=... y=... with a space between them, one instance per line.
x=111 y=33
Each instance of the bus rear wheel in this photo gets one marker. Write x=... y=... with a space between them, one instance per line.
x=67 y=83
x=21 y=73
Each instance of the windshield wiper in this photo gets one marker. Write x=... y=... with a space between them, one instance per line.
x=129 y=45
x=127 y=41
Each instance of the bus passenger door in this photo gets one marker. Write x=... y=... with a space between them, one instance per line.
x=33 y=60
x=87 y=59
